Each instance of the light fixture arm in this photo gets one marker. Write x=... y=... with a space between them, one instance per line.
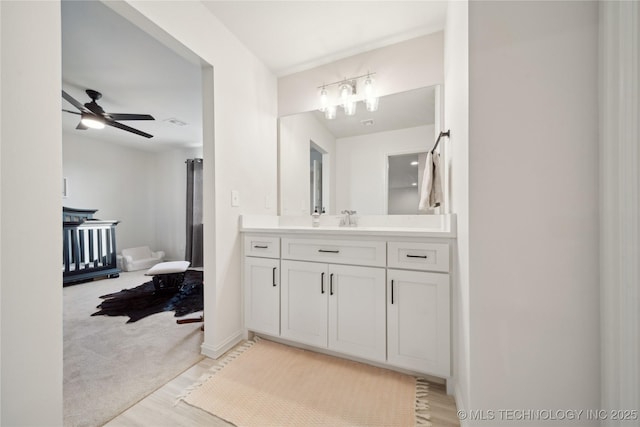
x=350 y=80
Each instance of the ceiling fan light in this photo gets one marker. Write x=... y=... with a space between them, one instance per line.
x=92 y=122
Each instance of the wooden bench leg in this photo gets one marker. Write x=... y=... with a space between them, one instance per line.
x=192 y=320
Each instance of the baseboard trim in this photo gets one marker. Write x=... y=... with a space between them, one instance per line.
x=217 y=351
x=460 y=403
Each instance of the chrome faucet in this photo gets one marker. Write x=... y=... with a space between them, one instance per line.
x=348 y=220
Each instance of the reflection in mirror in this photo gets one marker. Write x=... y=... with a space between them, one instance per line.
x=404 y=183
x=315 y=169
x=355 y=152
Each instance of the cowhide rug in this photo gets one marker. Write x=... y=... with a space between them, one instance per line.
x=142 y=301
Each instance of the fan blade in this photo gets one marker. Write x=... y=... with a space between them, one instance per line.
x=81 y=126
x=72 y=101
x=121 y=116
x=72 y=112
x=127 y=128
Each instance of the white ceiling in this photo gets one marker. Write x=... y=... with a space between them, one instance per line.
x=137 y=74
x=291 y=36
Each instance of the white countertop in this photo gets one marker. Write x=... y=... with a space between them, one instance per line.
x=440 y=226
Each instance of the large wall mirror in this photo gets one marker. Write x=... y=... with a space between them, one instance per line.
x=370 y=162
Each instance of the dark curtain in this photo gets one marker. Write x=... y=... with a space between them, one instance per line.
x=194 y=251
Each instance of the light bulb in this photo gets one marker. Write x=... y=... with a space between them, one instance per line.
x=368 y=88
x=330 y=112
x=370 y=98
x=345 y=94
x=372 y=104
x=324 y=99
x=350 y=108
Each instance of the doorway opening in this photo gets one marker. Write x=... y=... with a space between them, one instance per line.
x=318 y=179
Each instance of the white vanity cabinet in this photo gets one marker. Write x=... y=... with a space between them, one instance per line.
x=304 y=302
x=333 y=306
x=381 y=298
x=357 y=321
x=418 y=307
x=418 y=321
x=262 y=284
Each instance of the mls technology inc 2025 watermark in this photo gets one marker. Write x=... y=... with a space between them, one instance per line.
x=548 y=415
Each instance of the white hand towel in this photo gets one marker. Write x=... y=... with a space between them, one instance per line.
x=431 y=191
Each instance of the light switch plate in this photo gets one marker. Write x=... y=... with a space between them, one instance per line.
x=235 y=198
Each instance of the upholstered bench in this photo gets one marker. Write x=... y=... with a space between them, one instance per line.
x=168 y=275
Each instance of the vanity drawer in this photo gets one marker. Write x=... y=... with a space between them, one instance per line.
x=419 y=256
x=370 y=253
x=262 y=246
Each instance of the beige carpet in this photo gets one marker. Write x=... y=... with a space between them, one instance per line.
x=110 y=365
x=269 y=384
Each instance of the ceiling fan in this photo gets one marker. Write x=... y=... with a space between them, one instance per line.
x=93 y=116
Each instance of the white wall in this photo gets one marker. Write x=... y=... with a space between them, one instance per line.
x=144 y=190
x=456 y=117
x=295 y=133
x=116 y=180
x=619 y=206
x=240 y=151
x=361 y=166
x=533 y=206
x=243 y=158
x=400 y=67
x=1 y=383
x=31 y=245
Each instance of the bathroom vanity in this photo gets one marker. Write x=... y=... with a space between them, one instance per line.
x=379 y=292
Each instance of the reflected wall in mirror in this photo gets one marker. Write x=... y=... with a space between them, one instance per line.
x=316 y=185
x=405 y=172
x=356 y=153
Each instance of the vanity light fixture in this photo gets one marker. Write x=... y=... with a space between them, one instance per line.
x=414 y=163
x=346 y=96
x=370 y=98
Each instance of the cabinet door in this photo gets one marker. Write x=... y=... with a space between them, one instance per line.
x=357 y=321
x=262 y=295
x=304 y=302
x=418 y=321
